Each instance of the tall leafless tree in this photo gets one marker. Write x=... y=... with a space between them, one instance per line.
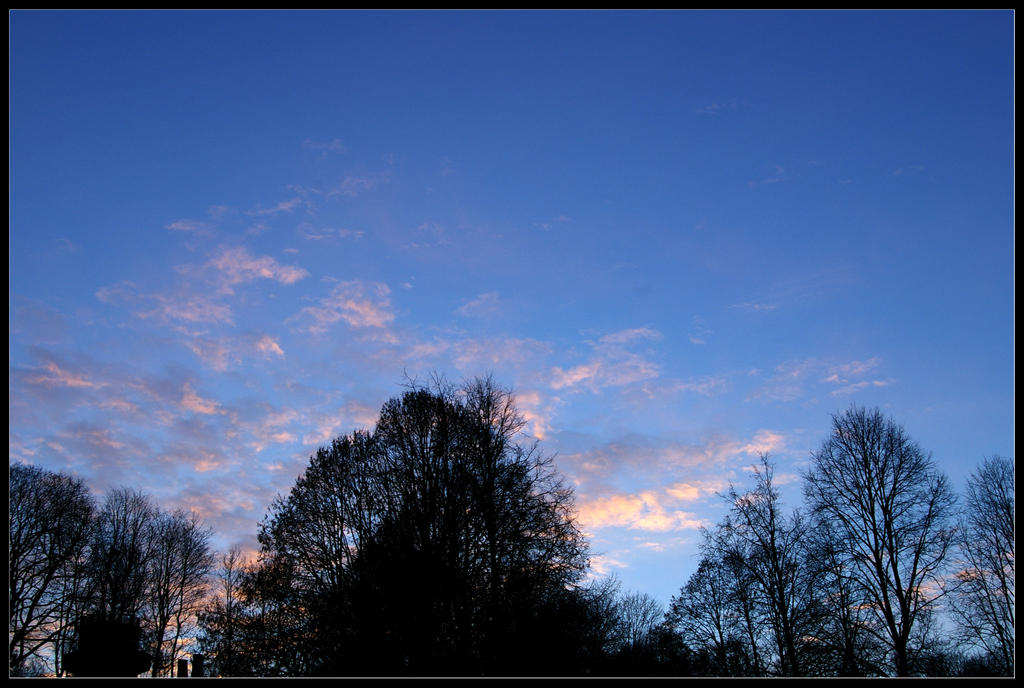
x=50 y=528
x=891 y=511
x=221 y=621
x=179 y=566
x=703 y=613
x=121 y=555
x=638 y=614
x=770 y=545
x=846 y=615
x=982 y=598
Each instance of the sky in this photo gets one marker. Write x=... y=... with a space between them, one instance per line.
x=682 y=239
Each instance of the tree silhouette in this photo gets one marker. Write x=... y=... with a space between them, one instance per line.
x=440 y=542
x=890 y=510
x=179 y=566
x=767 y=547
x=50 y=527
x=703 y=614
x=222 y=620
x=982 y=599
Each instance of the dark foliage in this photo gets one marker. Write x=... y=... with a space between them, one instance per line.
x=439 y=543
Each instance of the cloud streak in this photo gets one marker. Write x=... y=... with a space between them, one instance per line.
x=612 y=364
x=649 y=510
x=357 y=303
x=797 y=379
x=238 y=266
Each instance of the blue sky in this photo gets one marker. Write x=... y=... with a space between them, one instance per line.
x=681 y=237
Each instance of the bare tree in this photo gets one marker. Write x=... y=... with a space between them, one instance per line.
x=178 y=568
x=770 y=546
x=221 y=621
x=846 y=612
x=602 y=595
x=121 y=555
x=638 y=616
x=703 y=613
x=50 y=526
x=890 y=510
x=983 y=594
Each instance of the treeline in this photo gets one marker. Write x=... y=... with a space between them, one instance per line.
x=880 y=574
x=441 y=543
x=123 y=567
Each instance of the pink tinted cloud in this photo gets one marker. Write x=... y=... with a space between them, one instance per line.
x=224 y=353
x=649 y=510
x=193 y=308
x=268 y=346
x=472 y=355
x=237 y=266
x=611 y=365
x=537 y=410
x=193 y=403
x=55 y=376
x=634 y=457
x=360 y=304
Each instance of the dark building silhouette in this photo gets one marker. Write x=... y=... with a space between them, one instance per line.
x=107 y=648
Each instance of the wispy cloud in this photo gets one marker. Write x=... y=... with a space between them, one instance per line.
x=483 y=306
x=699 y=332
x=548 y=224
x=538 y=410
x=429 y=235
x=705 y=463
x=907 y=168
x=755 y=306
x=324 y=147
x=328 y=425
x=53 y=375
x=612 y=365
x=197 y=227
x=282 y=207
x=696 y=490
x=268 y=346
x=496 y=353
x=224 y=353
x=777 y=177
x=716 y=108
x=192 y=402
x=856 y=386
x=228 y=268
x=798 y=288
x=310 y=233
x=602 y=564
x=795 y=379
x=708 y=386
x=631 y=335
x=353 y=185
x=65 y=245
x=193 y=308
x=237 y=266
x=360 y=304
x=649 y=510
x=840 y=373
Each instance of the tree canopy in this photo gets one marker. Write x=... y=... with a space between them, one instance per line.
x=438 y=542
